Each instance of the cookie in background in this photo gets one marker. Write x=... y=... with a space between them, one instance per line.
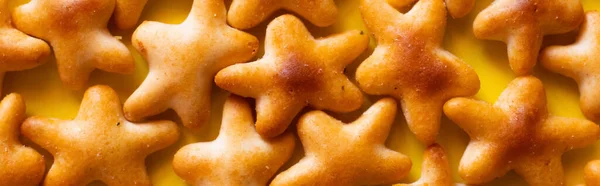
x=517 y=133
x=19 y=164
x=183 y=60
x=78 y=34
x=297 y=71
x=239 y=155
x=99 y=144
x=410 y=64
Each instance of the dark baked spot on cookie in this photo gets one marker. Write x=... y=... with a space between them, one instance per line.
x=299 y=75
x=418 y=66
x=141 y=47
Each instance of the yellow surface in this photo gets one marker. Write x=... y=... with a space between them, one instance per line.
x=46 y=96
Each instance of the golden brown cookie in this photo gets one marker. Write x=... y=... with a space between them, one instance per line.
x=99 y=144
x=19 y=165
x=239 y=156
x=183 y=60
x=517 y=133
x=580 y=61
x=410 y=64
x=347 y=154
x=18 y=51
x=244 y=14
x=522 y=25
x=456 y=8
x=435 y=170
x=592 y=173
x=297 y=70
x=77 y=32
x=127 y=13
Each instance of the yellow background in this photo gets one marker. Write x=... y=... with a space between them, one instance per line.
x=46 y=96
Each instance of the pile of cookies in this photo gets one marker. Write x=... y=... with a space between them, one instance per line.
x=109 y=142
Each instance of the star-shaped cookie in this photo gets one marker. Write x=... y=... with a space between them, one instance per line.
x=410 y=64
x=522 y=25
x=127 y=13
x=580 y=62
x=180 y=79
x=99 y=144
x=435 y=170
x=19 y=165
x=244 y=14
x=517 y=133
x=592 y=173
x=456 y=8
x=18 y=51
x=297 y=70
x=77 y=31
x=239 y=156
x=347 y=154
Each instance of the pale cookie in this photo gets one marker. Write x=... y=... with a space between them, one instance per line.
x=581 y=62
x=435 y=170
x=183 y=60
x=127 y=13
x=244 y=14
x=99 y=144
x=19 y=165
x=239 y=156
x=77 y=32
x=296 y=71
x=410 y=64
x=592 y=173
x=517 y=133
x=456 y=8
x=337 y=153
x=522 y=25
x=18 y=51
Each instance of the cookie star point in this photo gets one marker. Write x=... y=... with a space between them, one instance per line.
x=245 y=14
x=517 y=133
x=353 y=152
x=579 y=62
x=19 y=165
x=79 y=160
x=410 y=65
x=523 y=24
x=435 y=169
x=296 y=71
x=239 y=156
x=76 y=42
x=127 y=13
x=181 y=80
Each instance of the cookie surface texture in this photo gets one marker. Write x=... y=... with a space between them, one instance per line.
x=183 y=59
x=297 y=70
x=99 y=144
x=347 y=154
x=517 y=133
x=245 y=14
x=580 y=61
x=410 y=64
x=78 y=34
x=522 y=25
x=19 y=165
x=239 y=156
